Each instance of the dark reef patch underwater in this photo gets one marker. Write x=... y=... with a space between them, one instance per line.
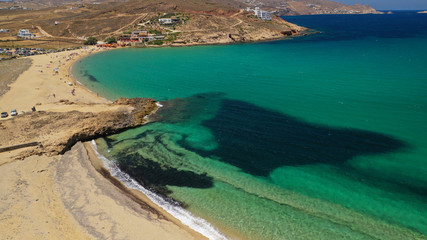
x=252 y=138
x=259 y=140
x=255 y=140
x=89 y=77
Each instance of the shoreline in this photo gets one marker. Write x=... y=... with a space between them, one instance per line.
x=48 y=91
x=176 y=214
x=141 y=196
x=38 y=87
x=77 y=82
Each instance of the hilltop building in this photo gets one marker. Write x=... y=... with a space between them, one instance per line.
x=264 y=15
x=165 y=21
x=25 y=33
x=168 y=21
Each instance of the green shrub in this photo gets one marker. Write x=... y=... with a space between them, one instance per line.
x=172 y=36
x=168 y=15
x=111 y=40
x=91 y=41
x=153 y=31
x=156 y=42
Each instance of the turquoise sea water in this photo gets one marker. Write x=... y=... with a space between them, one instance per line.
x=316 y=137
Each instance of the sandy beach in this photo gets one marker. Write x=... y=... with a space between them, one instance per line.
x=47 y=82
x=69 y=196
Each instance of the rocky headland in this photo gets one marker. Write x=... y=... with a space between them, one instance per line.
x=238 y=27
x=57 y=132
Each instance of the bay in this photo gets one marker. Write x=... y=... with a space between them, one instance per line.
x=315 y=137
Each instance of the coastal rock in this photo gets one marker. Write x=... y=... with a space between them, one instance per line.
x=236 y=37
x=286 y=33
x=59 y=131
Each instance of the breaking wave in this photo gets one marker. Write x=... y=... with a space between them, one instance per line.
x=198 y=224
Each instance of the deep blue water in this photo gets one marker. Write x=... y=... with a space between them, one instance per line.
x=400 y=24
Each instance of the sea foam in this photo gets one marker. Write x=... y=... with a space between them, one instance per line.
x=198 y=224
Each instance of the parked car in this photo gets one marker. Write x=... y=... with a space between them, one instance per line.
x=13 y=112
x=4 y=114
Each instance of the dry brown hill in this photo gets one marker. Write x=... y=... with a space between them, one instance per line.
x=309 y=7
x=206 y=21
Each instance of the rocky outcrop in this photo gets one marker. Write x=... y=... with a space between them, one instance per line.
x=59 y=131
x=239 y=27
x=236 y=37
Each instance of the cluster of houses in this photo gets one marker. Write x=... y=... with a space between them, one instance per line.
x=139 y=36
x=332 y=11
x=264 y=15
x=4 y=30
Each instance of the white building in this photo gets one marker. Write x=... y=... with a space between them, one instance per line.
x=264 y=15
x=25 y=33
x=165 y=21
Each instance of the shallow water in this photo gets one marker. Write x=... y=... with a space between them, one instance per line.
x=317 y=137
